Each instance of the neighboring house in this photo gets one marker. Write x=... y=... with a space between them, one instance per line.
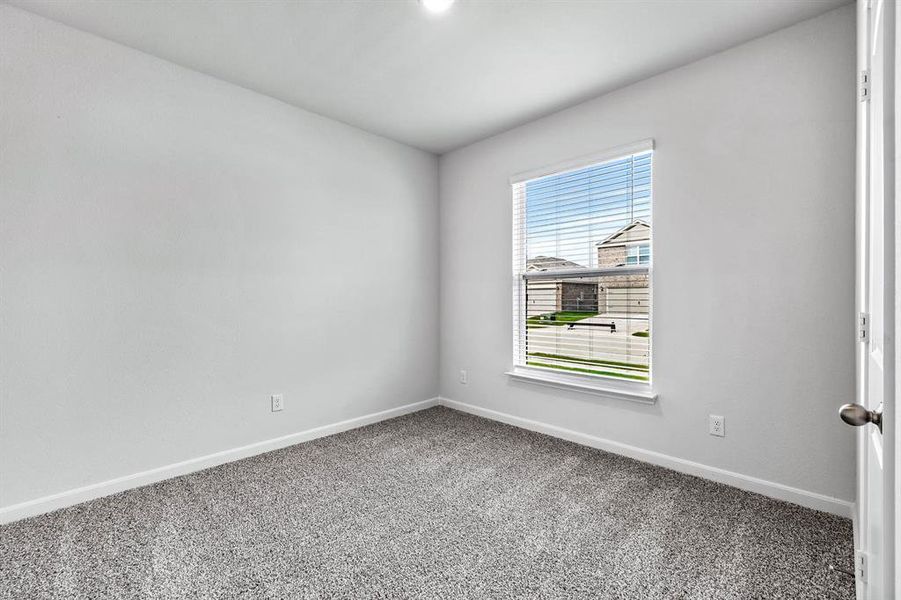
x=550 y=263
x=553 y=296
x=617 y=294
x=629 y=246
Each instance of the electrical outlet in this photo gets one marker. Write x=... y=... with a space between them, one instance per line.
x=717 y=425
x=278 y=402
x=464 y=378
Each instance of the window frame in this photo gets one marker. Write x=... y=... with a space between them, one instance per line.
x=640 y=391
x=638 y=255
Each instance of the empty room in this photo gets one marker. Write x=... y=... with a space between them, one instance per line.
x=438 y=299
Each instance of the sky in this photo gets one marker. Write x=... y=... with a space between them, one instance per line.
x=569 y=213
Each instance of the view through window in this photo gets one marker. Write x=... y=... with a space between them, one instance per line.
x=582 y=264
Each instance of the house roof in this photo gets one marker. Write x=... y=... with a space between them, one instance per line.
x=612 y=238
x=543 y=263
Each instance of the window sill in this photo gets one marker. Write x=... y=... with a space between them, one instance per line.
x=620 y=390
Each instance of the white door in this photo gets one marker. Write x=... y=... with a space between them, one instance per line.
x=875 y=300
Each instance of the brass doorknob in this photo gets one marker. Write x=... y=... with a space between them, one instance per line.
x=857 y=415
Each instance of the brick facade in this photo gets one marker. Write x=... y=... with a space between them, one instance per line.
x=612 y=253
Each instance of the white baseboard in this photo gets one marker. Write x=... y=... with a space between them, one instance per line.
x=778 y=491
x=53 y=502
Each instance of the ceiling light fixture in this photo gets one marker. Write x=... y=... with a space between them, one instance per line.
x=436 y=6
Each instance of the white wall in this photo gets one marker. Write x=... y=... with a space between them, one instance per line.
x=173 y=249
x=753 y=252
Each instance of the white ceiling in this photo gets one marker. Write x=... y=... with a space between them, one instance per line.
x=437 y=82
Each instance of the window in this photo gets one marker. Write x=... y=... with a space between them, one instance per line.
x=582 y=268
x=638 y=254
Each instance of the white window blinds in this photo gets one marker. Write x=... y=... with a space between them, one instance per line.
x=582 y=260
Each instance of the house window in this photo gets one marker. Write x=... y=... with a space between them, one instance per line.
x=582 y=268
x=638 y=254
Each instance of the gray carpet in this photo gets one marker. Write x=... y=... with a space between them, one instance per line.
x=436 y=504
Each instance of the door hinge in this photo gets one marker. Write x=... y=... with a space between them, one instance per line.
x=860 y=565
x=863 y=88
x=863 y=327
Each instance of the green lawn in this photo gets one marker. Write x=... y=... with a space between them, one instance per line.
x=556 y=319
x=592 y=361
x=590 y=371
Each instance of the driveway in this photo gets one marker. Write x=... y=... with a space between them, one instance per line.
x=593 y=344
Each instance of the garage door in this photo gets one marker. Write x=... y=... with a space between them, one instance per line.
x=628 y=300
